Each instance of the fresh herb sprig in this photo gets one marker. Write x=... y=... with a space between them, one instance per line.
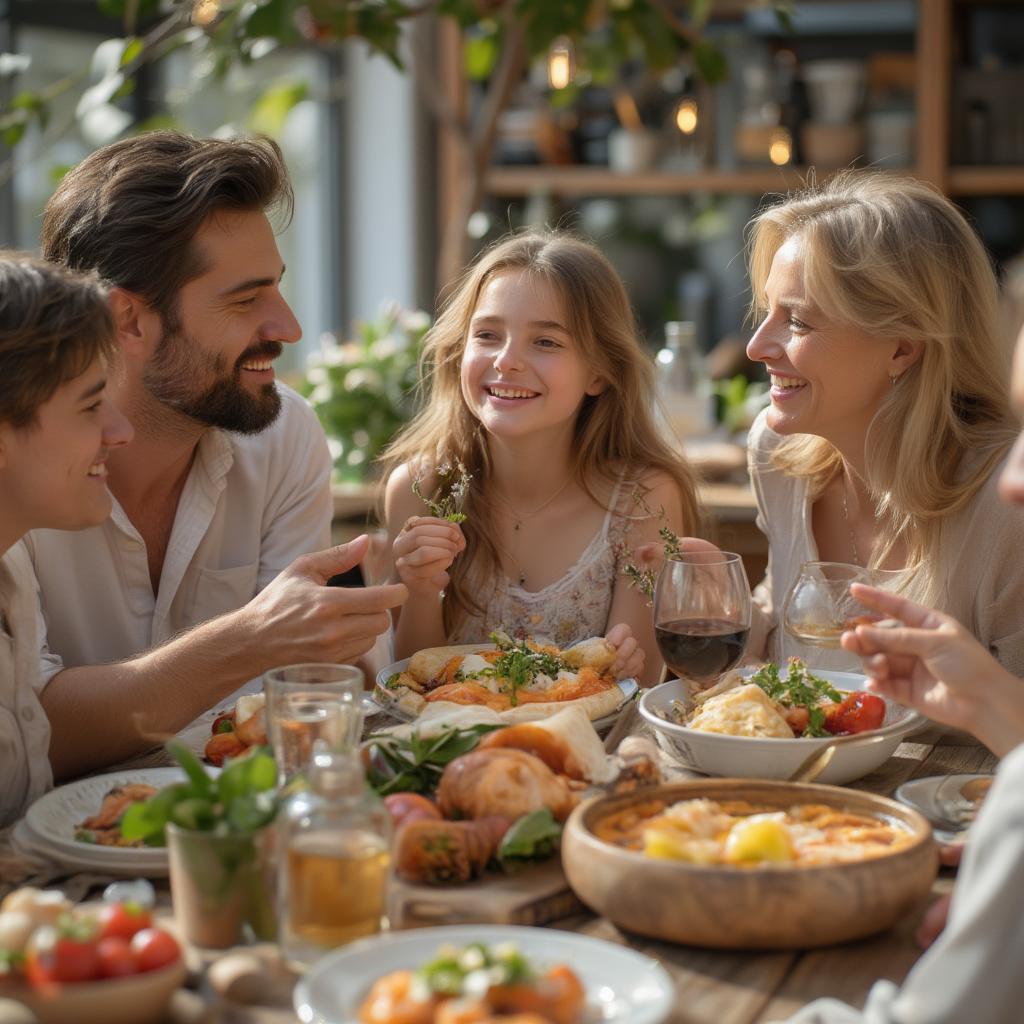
x=454 y=971
x=799 y=689
x=454 y=489
x=644 y=579
x=415 y=764
x=519 y=664
x=241 y=799
x=534 y=836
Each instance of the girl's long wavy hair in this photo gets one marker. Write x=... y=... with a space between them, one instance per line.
x=614 y=430
x=897 y=260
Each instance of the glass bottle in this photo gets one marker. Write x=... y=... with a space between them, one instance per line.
x=335 y=859
x=683 y=384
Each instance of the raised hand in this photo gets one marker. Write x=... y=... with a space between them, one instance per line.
x=298 y=618
x=933 y=664
x=424 y=550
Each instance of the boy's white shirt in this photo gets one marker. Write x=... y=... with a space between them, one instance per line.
x=25 y=772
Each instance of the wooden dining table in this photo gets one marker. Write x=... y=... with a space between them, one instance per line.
x=712 y=986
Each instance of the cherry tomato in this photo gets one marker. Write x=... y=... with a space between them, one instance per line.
x=116 y=958
x=223 y=723
x=154 y=948
x=56 y=957
x=123 y=920
x=859 y=712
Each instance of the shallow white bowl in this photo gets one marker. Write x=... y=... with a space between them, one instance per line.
x=756 y=758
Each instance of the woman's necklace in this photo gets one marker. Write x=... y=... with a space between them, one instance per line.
x=849 y=528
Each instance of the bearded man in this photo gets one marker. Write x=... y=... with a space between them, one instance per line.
x=202 y=577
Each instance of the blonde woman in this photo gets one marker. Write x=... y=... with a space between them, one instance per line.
x=539 y=386
x=889 y=412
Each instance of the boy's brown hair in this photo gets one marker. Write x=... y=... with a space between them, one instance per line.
x=53 y=325
x=131 y=210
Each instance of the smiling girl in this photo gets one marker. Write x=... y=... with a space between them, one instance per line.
x=56 y=429
x=889 y=413
x=540 y=388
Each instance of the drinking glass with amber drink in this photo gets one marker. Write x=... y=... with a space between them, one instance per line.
x=309 y=707
x=336 y=847
x=819 y=607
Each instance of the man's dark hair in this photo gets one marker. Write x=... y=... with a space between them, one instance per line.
x=131 y=210
x=53 y=326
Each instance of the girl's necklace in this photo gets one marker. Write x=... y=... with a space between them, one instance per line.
x=518 y=518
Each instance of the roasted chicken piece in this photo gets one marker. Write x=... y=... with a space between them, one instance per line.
x=542 y=743
x=509 y=783
x=435 y=852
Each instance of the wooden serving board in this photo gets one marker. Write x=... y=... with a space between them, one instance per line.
x=533 y=895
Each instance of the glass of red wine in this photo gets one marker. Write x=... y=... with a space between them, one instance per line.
x=702 y=614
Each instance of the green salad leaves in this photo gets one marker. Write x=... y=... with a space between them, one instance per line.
x=799 y=689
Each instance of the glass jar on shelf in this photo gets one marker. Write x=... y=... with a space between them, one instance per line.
x=335 y=845
x=683 y=384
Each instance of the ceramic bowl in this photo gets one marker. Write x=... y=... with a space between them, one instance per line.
x=763 y=758
x=768 y=907
x=136 y=999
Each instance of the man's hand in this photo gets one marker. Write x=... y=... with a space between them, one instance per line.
x=298 y=618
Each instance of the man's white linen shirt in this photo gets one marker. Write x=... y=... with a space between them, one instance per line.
x=251 y=504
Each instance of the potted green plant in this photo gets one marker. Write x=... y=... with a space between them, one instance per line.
x=219 y=844
x=363 y=388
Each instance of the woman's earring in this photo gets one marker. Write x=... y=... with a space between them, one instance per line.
x=893 y=378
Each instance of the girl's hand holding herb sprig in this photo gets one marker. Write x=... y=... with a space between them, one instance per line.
x=427 y=545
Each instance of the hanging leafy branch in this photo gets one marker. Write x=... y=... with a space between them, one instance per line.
x=500 y=38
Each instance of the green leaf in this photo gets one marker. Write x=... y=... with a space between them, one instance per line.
x=710 y=62
x=480 y=54
x=268 y=114
x=146 y=820
x=13 y=134
x=196 y=773
x=531 y=837
x=699 y=11
x=132 y=50
x=195 y=814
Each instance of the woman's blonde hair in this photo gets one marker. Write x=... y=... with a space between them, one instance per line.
x=615 y=430
x=896 y=259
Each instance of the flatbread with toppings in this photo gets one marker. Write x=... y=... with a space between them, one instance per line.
x=519 y=679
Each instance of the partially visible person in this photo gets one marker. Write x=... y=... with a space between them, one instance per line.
x=212 y=566
x=57 y=431
x=889 y=415
x=540 y=388
x=933 y=664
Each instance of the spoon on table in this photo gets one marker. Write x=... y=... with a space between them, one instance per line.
x=814 y=764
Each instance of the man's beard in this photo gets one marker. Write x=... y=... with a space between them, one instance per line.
x=179 y=363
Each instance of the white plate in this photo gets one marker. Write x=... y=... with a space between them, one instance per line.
x=766 y=758
x=938 y=798
x=621 y=985
x=53 y=819
x=628 y=687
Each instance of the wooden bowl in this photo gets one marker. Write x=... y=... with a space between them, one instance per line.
x=770 y=907
x=135 y=999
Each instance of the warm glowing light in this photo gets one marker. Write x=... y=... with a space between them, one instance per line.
x=780 y=149
x=560 y=63
x=205 y=12
x=686 y=116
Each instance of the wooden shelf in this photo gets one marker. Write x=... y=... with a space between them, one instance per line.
x=986 y=181
x=599 y=181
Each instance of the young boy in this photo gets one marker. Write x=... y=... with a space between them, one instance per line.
x=57 y=340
